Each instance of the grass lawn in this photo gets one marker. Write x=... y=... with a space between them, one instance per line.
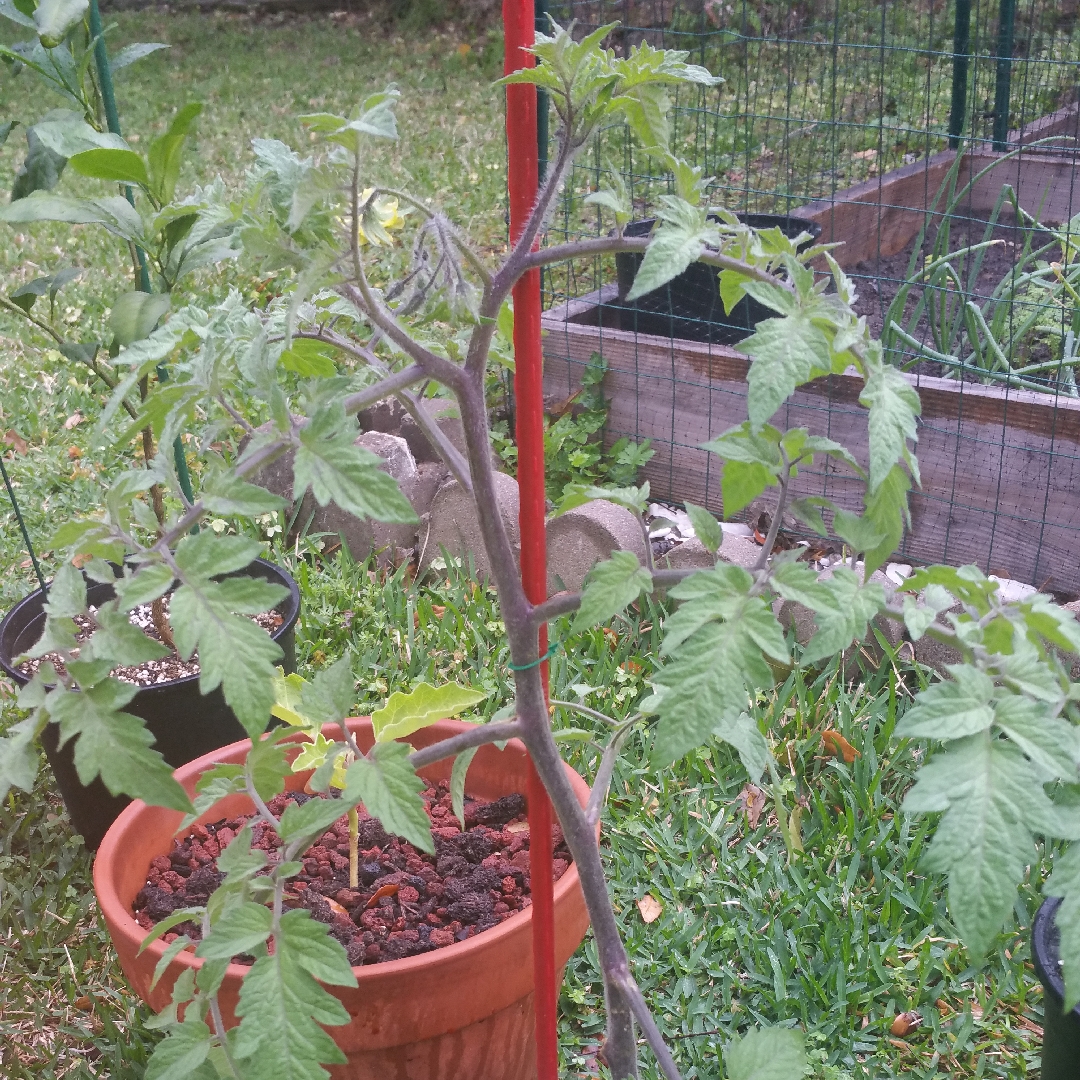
x=839 y=940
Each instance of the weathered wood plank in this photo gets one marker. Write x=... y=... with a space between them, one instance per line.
x=1000 y=468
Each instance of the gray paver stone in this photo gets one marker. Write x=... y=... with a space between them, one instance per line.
x=580 y=538
x=453 y=523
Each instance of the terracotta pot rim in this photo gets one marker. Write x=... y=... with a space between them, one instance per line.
x=125 y=922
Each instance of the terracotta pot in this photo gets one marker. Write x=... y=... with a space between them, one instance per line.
x=463 y=1012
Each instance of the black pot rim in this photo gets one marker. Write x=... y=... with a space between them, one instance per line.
x=1044 y=952
x=289 y=607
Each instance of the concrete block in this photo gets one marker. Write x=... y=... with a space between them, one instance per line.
x=580 y=538
x=689 y=555
x=453 y=523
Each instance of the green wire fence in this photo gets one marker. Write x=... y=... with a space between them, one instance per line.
x=938 y=142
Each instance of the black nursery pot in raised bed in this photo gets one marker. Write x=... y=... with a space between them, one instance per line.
x=689 y=306
x=185 y=723
x=1061 y=1030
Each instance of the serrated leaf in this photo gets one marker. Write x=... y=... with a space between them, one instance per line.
x=213 y=786
x=951 y=709
x=226 y=494
x=797 y=582
x=743 y=733
x=859 y=533
x=919 y=618
x=208 y=555
x=993 y=803
x=967 y=583
x=707 y=685
x=634 y=499
x=239 y=930
x=19 y=754
x=267 y=765
x=389 y=788
x=181 y=1053
x=119 y=640
x=115 y=745
x=425 y=705
x=312 y=819
x=786 y=353
x=766 y=1054
x=853 y=606
x=707 y=595
x=234 y=652
x=887 y=511
x=673 y=247
x=894 y=405
x=741 y=484
x=457 y=782
x=808 y=511
x=309 y=359
x=288 y=699
x=283 y=1009
x=706 y=527
x=337 y=470
x=330 y=697
x=610 y=586
x=1052 y=744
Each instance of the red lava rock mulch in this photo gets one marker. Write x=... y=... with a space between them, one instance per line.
x=407 y=902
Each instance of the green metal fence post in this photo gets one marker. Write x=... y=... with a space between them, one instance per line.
x=961 y=45
x=1003 y=80
x=541 y=10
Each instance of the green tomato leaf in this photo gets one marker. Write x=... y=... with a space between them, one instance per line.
x=389 y=788
x=312 y=819
x=226 y=494
x=405 y=713
x=241 y=929
x=182 y=1054
x=309 y=359
x=1050 y=742
x=337 y=470
x=120 y=641
x=457 y=782
x=743 y=733
x=283 y=1009
x=894 y=406
x=706 y=527
x=951 y=709
x=852 y=607
x=147 y=583
x=332 y=694
x=993 y=803
x=610 y=586
x=795 y=581
x=634 y=499
x=208 y=555
x=786 y=353
x=19 y=754
x=767 y=1054
x=115 y=745
x=675 y=245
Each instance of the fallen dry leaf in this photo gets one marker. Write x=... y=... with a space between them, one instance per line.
x=378 y=894
x=753 y=802
x=438 y=610
x=13 y=439
x=611 y=637
x=335 y=907
x=906 y=1022
x=83 y=1004
x=464 y=49
x=651 y=909
x=865 y=155
x=73 y=420
x=632 y=667
x=74 y=453
x=837 y=745
x=80 y=560
x=517 y=826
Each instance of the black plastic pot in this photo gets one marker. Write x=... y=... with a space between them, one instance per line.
x=185 y=724
x=1061 y=1030
x=689 y=306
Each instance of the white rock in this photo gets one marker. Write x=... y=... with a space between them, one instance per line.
x=1013 y=591
x=897 y=572
x=736 y=528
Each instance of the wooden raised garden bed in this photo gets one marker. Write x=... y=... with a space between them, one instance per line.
x=1000 y=466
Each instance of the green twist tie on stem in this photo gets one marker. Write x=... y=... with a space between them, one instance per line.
x=547 y=656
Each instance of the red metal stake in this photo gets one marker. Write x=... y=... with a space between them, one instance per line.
x=519 y=23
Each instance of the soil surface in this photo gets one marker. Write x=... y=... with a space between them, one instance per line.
x=407 y=902
x=150 y=672
x=879 y=280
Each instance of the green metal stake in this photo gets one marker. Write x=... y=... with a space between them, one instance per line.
x=22 y=528
x=541 y=24
x=112 y=119
x=961 y=56
x=1003 y=80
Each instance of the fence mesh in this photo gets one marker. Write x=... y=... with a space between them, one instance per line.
x=938 y=143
